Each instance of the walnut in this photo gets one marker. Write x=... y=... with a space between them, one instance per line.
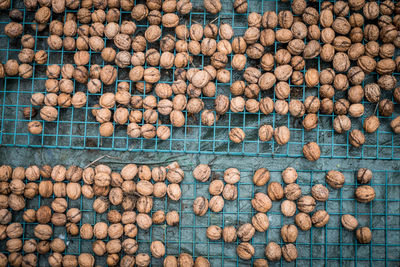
x=289 y=252
x=261 y=177
x=230 y=192
x=261 y=202
x=395 y=125
x=310 y=121
x=237 y=135
x=212 y=7
x=312 y=49
x=312 y=151
x=86 y=260
x=172 y=218
x=11 y=67
x=363 y=235
x=265 y=132
x=246 y=232
x=160 y=189
x=281 y=135
x=296 y=108
x=335 y=179
x=216 y=187
x=170 y=20
x=311 y=77
x=17 y=173
x=245 y=251
x=28 y=41
x=289 y=233
x=303 y=221
x=43 y=231
x=42 y=15
x=267 y=105
x=214 y=232
x=28 y=216
x=78 y=100
x=273 y=251
x=14 y=230
x=366 y=63
x=320 y=218
x=48 y=113
x=35 y=127
x=341 y=124
x=364 y=175
x=371 y=124
x=283 y=36
x=288 y=208
x=184 y=6
x=275 y=191
x=170 y=261
x=365 y=194
x=163 y=132
x=298 y=6
x=139 y=12
x=174 y=192
x=281 y=107
x=202 y=172
x=283 y=72
x=200 y=206
x=385 y=66
x=349 y=222
x=320 y=192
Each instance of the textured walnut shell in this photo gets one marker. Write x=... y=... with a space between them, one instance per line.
x=341 y=124
x=230 y=192
x=202 y=172
x=288 y=208
x=289 y=233
x=214 y=232
x=200 y=206
x=312 y=151
x=349 y=222
x=289 y=175
x=303 y=221
x=216 y=187
x=261 y=202
x=320 y=192
x=237 y=135
x=282 y=135
x=261 y=177
x=275 y=191
x=292 y=191
x=306 y=204
x=335 y=179
x=365 y=194
x=320 y=218
x=260 y=222
x=395 y=125
x=289 y=252
x=364 y=175
x=157 y=248
x=43 y=231
x=273 y=251
x=364 y=235
x=245 y=251
x=246 y=232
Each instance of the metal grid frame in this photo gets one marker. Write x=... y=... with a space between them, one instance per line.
x=78 y=129
x=330 y=245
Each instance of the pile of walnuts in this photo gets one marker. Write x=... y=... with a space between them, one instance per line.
x=291 y=200
x=354 y=38
x=132 y=189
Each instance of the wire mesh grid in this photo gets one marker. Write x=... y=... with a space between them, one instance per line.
x=331 y=245
x=76 y=128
